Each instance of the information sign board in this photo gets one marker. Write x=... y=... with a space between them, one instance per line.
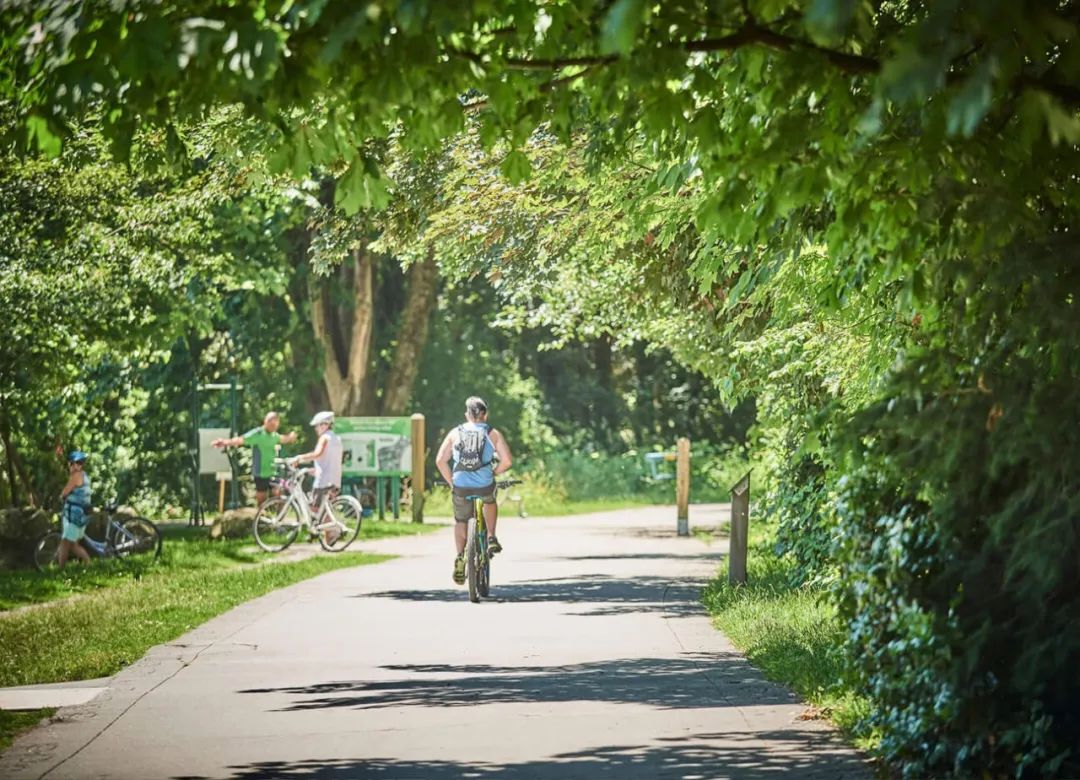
x=375 y=446
x=211 y=459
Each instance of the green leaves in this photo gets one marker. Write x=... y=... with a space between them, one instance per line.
x=362 y=187
x=621 y=26
x=516 y=167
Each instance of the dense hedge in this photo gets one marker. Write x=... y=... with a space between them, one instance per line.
x=959 y=560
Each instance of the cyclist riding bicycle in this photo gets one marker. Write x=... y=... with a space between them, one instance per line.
x=327 y=459
x=474 y=447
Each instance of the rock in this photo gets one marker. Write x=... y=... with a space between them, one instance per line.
x=233 y=524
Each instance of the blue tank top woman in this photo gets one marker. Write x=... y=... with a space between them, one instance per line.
x=78 y=502
x=483 y=476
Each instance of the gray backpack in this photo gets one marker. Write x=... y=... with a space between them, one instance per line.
x=470 y=449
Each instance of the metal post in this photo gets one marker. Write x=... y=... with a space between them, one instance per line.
x=196 y=517
x=417 y=477
x=740 y=529
x=682 y=485
x=234 y=429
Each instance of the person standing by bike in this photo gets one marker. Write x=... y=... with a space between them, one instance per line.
x=473 y=446
x=75 y=513
x=263 y=442
x=327 y=459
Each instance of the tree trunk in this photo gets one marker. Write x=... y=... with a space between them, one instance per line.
x=345 y=337
x=423 y=280
x=16 y=472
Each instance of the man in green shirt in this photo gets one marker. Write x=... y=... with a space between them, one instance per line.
x=263 y=442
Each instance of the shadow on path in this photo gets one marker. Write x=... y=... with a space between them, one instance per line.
x=611 y=595
x=699 y=756
x=693 y=681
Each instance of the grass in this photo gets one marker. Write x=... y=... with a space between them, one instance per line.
x=185 y=549
x=541 y=503
x=792 y=634
x=14 y=723
x=99 y=634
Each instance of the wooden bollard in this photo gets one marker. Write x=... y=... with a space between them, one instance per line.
x=418 y=468
x=740 y=529
x=682 y=485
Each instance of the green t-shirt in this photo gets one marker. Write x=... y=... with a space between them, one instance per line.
x=262 y=444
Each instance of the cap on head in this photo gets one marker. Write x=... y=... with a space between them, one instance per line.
x=323 y=418
x=475 y=406
x=77 y=456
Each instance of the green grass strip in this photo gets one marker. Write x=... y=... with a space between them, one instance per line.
x=183 y=549
x=14 y=723
x=792 y=634
x=105 y=630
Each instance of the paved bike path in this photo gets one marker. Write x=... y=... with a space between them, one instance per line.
x=594 y=660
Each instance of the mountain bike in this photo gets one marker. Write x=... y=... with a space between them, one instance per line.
x=477 y=555
x=279 y=520
x=134 y=538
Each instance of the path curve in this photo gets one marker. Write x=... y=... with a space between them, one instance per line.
x=593 y=660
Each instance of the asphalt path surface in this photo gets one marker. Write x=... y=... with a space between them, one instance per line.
x=592 y=659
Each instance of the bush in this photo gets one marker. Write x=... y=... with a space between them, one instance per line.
x=959 y=529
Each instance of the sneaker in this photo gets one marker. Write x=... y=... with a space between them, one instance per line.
x=459 y=570
x=494 y=546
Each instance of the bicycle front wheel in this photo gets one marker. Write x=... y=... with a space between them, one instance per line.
x=277 y=524
x=483 y=583
x=138 y=539
x=344 y=517
x=46 y=551
x=472 y=561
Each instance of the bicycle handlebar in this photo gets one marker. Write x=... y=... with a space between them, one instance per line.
x=501 y=484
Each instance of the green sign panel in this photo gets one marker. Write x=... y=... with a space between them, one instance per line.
x=375 y=446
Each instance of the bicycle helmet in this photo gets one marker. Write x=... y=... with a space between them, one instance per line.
x=77 y=456
x=323 y=418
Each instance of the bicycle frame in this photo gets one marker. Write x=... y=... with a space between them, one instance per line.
x=293 y=488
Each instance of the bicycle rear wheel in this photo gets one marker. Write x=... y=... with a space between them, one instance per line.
x=345 y=515
x=277 y=524
x=46 y=550
x=138 y=540
x=472 y=573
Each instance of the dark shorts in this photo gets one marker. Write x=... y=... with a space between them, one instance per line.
x=262 y=484
x=463 y=507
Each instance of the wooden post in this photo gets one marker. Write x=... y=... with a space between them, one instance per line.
x=221 y=493
x=418 y=468
x=740 y=529
x=682 y=485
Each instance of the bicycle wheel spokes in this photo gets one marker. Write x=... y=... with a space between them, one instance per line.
x=138 y=539
x=277 y=524
x=343 y=517
x=45 y=552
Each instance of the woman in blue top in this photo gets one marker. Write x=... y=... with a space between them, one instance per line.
x=475 y=447
x=76 y=511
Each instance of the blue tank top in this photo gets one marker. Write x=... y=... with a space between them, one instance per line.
x=484 y=475
x=81 y=496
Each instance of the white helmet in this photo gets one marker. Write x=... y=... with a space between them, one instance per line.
x=323 y=418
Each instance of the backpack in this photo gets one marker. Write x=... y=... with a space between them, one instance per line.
x=470 y=455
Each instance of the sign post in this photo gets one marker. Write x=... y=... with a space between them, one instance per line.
x=740 y=528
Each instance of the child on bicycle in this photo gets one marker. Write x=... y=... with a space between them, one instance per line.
x=327 y=457
x=75 y=513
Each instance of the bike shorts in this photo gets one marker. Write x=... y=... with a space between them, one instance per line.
x=262 y=484
x=463 y=507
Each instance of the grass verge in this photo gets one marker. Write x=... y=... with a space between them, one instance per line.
x=184 y=549
x=792 y=634
x=99 y=634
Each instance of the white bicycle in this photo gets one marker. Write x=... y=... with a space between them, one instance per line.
x=335 y=522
